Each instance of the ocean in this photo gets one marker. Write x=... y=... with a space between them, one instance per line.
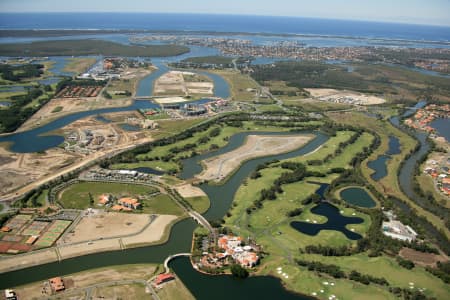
x=224 y=23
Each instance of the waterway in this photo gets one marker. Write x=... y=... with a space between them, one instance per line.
x=357 y=196
x=43 y=139
x=212 y=287
x=442 y=127
x=180 y=241
x=379 y=165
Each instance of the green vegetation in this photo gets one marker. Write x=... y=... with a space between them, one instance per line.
x=18 y=73
x=388 y=185
x=79 y=65
x=23 y=103
x=85 y=194
x=217 y=60
x=238 y=271
x=89 y=47
x=160 y=204
x=57 y=109
x=243 y=87
x=200 y=203
x=397 y=84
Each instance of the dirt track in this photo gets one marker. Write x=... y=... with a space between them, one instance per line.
x=219 y=167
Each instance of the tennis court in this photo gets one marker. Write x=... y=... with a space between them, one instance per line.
x=35 y=228
x=18 y=221
x=53 y=233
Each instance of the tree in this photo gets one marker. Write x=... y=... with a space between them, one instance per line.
x=238 y=271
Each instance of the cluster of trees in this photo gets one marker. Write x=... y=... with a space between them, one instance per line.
x=336 y=272
x=408 y=294
x=405 y=263
x=238 y=271
x=442 y=271
x=332 y=270
x=366 y=279
x=310 y=74
x=69 y=81
x=17 y=73
x=328 y=251
x=12 y=117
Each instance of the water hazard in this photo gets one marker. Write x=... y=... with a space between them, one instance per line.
x=358 y=197
x=336 y=222
x=380 y=164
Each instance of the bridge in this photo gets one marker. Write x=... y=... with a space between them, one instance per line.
x=168 y=259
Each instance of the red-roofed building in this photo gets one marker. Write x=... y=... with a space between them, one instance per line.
x=164 y=278
x=57 y=284
x=129 y=202
x=104 y=199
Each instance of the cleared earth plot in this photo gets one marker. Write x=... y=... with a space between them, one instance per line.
x=219 y=167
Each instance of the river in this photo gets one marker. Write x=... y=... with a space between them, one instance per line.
x=180 y=240
x=43 y=140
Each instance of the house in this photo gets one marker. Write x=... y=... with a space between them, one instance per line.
x=117 y=207
x=32 y=239
x=164 y=278
x=10 y=294
x=57 y=284
x=129 y=203
x=5 y=229
x=104 y=199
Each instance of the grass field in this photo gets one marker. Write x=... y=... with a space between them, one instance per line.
x=389 y=184
x=124 y=291
x=77 y=195
x=79 y=65
x=52 y=233
x=239 y=83
x=219 y=140
x=200 y=203
x=175 y=289
x=161 y=204
x=388 y=268
x=428 y=186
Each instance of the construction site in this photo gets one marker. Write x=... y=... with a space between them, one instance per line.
x=183 y=84
x=84 y=140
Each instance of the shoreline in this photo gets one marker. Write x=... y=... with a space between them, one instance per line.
x=56 y=253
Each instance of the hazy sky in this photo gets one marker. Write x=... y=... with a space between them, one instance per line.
x=435 y=12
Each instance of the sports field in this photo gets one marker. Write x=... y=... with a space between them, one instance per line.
x=35 y=228
x=52 y=233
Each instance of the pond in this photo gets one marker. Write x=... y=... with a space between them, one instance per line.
x=336 y=222
x=379 y=165
x=358 y=197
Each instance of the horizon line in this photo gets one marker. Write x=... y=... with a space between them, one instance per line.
x=228 y=14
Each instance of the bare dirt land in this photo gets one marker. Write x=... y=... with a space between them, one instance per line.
x=188 y=191
x=153 y=233
x=176 y=83
x=88 y=278
x=218 y=167
x=420 y=258
x=343 y=96
x=106 y=225
x=19 y=169
x=169 y=100
x=9 y=263
x=49 y=111
x=21 y=172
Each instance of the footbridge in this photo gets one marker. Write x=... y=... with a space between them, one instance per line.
x=168 y=259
